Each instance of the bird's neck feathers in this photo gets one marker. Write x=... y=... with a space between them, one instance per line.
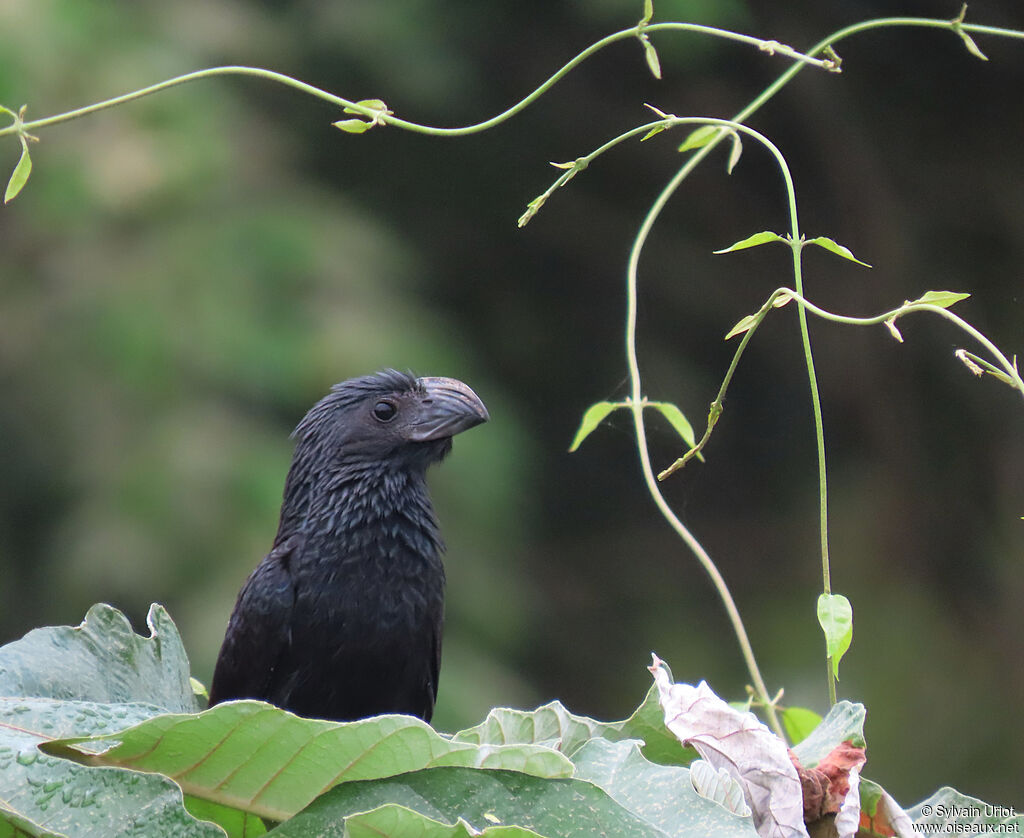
x=344 y=498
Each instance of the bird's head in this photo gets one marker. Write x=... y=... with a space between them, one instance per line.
x=390 y=418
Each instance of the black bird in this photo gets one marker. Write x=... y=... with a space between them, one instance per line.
x=342 y=619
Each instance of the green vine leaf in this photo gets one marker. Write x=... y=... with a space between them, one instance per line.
x=19 y=177
x=942 y=299
x=837 y=249
x=378 y=109
x=648 y=12
x=972 y=47
x=593 y=417
x=372 y=104
x=835 y=615
x=890 y=324
x=699 y=137
x=753 y=241
x=651 y=54
x=799 y=723
x=734 y=152
x=678 y=421
x=744 y=325
x=352 y=126
x=657 y=129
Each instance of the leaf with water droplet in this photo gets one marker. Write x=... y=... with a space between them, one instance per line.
x=230 y=754
x=103 y=661
x=71 y=799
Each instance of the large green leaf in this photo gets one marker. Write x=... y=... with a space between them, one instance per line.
x=482 y=799
x=102 y=660
x=661 y=795
x=551 y=725
x=44 y=796
x=253 y=756
x=397 y=821
x=952 y=812
x=554 y=726
x=648 y=725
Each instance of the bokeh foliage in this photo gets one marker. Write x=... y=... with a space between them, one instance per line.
x=184 y=276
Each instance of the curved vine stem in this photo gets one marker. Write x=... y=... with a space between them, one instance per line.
x=351 y=106
x=955 y=25
x=637 y=398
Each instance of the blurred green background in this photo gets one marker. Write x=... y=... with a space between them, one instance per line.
x=184 y=276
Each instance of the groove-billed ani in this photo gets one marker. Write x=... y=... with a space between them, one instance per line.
x=342 y=619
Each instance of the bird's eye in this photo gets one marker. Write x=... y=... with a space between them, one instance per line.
x=384 y=411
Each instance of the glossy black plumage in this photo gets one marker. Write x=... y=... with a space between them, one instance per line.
x=343 y=618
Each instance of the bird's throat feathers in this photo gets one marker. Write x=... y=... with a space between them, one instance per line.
x=344 y=501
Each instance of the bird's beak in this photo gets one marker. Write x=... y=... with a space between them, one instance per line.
x=448 y=407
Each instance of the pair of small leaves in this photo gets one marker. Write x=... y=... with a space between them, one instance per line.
x=768 y=236
x=375 y=109
x=764 y=237
x=598 y=412
x=19 y=177
x=835 y=615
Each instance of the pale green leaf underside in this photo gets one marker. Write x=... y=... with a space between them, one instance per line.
x=835 y=615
